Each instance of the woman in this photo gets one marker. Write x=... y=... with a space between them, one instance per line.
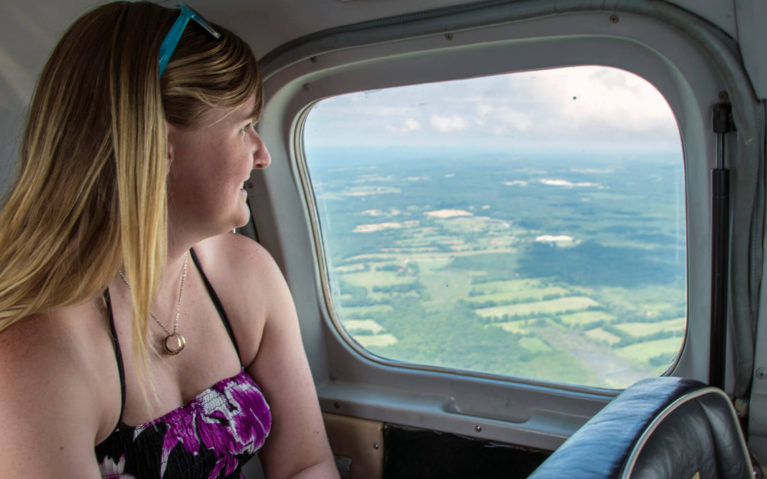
x=140 y=338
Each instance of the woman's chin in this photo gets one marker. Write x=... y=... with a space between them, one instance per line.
x=243 y=218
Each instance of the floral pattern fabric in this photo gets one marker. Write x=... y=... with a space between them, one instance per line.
x=211 y=437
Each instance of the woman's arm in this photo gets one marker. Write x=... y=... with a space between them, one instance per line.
x=297 y=446
x=51 y=409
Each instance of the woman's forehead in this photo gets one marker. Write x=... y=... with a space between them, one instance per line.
x=228 y=114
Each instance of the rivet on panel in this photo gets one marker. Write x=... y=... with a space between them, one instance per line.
x=478 y=428
x=614 y=18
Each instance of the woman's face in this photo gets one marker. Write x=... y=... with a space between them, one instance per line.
x=209 y=164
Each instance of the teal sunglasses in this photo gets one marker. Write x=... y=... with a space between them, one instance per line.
x=170 y=42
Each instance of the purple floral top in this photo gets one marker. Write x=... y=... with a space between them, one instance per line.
x=211 y=437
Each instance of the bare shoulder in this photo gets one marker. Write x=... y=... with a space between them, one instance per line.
x=249 y=283
x=37 y=355
x=241 y=265
x=238 y=254
x=50 y=410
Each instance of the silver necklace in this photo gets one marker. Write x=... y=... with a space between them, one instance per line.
x=174 y=342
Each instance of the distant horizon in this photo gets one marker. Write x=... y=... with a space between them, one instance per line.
x=367 y=154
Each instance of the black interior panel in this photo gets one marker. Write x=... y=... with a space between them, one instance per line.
x=422 y=454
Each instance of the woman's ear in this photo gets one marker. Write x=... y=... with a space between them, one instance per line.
x=172 y=138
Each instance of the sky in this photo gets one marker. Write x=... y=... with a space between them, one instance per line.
x=585 y=107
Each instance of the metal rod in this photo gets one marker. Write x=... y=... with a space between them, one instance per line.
x=720 y=221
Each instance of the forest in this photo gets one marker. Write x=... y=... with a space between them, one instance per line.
x=545 y=266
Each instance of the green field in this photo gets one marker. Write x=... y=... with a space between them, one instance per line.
x=512 y=326
x=641 y=352
x=600 y=335
x=369 y=279
x=553 y=306
x=431 y=263
x=535 y=345
x=645 y=303
x=352 y=268
x=367 y=326
x=505 y=269
x=514 y=291
x=378 y=340
x=364 y=311
x=586 y=317
x=676 y=326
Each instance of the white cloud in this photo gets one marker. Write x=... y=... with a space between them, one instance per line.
x=572 y=107
x=554 y=239
x=408 y=126
x=596 y=98
x=502 y=119
x=448 y=124
x=567 y=184
x=463 y=99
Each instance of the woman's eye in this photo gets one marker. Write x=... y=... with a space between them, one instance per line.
x=245 y=128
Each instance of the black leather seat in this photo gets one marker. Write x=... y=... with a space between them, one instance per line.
x=658 y=428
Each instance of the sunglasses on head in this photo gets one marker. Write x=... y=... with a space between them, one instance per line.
x=170 y=42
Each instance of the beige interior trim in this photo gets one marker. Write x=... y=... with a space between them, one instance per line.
x=360 y=440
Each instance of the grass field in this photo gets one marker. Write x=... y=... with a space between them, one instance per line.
x=446 y=287
x=359 y=325
x=585 y=317
x=491 y=242
x=472 y=224
x=351 y=268
x=553 y=306
x=419 y=240
x=508 y=285
x=363 y=311
x=512 y=326
x=534 y=345
x=514 y=291
x=567 y=308
x=427 y=232
x=427 y=263
x=600 y=335
x=644 y=329
x=647 y=302
x=378 y=340
x=370 y=190
x=368 y=279
x=413 y=242
x=642 y=352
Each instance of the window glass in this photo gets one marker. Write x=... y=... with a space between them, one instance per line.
x=529 y=224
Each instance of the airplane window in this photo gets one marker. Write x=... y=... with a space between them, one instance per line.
x=529 y=224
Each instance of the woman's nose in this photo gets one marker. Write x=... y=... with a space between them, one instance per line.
x=261 y=157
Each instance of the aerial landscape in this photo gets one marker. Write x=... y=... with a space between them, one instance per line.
x=549 y=266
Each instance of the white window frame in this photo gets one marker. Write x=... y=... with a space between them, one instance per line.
x=350 y=381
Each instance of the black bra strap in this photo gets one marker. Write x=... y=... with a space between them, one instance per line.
x=118 y=353
x=216 y=301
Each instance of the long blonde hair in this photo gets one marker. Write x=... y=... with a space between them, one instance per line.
x=91 y=195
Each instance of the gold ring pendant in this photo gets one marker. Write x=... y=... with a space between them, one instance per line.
x=174 y=344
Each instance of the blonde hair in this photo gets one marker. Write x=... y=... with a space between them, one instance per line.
x=91 y=195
